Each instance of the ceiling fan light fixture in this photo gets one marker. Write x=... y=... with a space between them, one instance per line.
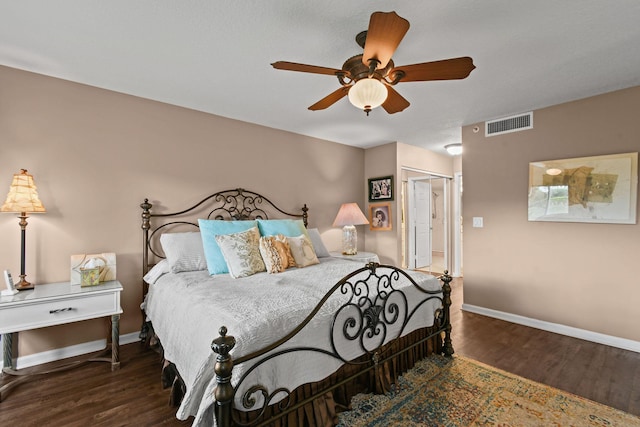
x=454 y=149
x=368 y=94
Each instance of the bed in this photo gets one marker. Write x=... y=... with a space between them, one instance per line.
x=285 y=346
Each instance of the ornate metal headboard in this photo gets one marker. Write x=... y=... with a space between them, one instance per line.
x=236 y=204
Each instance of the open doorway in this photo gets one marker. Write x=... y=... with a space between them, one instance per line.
x=425 y=221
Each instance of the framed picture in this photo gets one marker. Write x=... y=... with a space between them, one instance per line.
x=380 y=217
x=381 y=188
x=600 y=189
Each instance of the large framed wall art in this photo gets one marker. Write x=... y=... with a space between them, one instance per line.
x=600 y=189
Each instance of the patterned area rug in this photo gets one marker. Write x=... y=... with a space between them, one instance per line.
x=460 y=392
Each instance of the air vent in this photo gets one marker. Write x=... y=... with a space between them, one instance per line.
x=509 y=124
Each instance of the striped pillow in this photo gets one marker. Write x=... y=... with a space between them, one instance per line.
x=184 y=251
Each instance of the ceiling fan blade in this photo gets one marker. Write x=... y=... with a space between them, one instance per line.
x=385 y=33
x=330 y=99
x=447 y=69
x=292 y=66
x=395 y=102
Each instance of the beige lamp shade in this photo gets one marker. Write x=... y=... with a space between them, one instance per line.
x=350 y=214
x=23 y=195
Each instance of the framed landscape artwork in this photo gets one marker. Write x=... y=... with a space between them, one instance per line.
x=599 y=189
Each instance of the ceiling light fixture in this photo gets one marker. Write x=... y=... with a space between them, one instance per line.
x=368 y=94
x=554 y=171
x=454 y=149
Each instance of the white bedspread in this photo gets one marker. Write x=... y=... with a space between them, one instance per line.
x=187 y=309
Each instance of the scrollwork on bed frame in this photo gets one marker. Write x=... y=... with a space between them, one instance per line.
x=235 y=204
x=373 y=306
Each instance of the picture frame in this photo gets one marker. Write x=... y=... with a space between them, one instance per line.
x=381 y=188
x=597 y=189
x=380 y=217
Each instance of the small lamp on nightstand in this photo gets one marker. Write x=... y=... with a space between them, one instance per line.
x=23 y=199
x=348 y=217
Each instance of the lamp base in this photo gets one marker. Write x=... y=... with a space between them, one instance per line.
x=349 y=240
x=23 y=285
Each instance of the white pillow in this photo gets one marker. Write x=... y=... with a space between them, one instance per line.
x=318 y=244
x=184 y=251
x=241 y=251
x=302 y=251
x=157 y=271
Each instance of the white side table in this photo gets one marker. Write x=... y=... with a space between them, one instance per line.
x=362 y=257
x=58 y=304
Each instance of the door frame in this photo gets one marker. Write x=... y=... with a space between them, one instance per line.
x=446 y=214
x=456 y=270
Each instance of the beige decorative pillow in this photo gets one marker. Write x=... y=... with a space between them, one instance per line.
x=302 y=251
x=241 y=252
x=274 y=254
x=291 y=262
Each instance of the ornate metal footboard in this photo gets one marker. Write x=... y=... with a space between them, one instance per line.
x=376 y=314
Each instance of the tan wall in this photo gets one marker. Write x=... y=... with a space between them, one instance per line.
x=574 y=274
x=95 y=155
x=418 y=158
x=381 y=161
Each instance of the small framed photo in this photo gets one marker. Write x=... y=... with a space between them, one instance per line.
x=381 y=188
x=380 y=217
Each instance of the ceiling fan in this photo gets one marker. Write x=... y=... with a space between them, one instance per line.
x=368 y=78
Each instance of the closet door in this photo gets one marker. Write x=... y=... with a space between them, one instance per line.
x=421 y=228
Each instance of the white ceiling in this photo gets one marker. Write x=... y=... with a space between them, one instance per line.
x=215 y=56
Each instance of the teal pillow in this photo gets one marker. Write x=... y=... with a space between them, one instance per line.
x=286 y=227
x=209 y=229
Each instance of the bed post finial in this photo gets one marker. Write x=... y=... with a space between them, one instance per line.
x=223 y=392
x=446 y=302
x=305 y=215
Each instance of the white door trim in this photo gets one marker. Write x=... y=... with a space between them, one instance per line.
x=456 y=265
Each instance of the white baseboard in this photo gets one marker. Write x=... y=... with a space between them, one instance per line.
x=557 y=328
x=65 y=352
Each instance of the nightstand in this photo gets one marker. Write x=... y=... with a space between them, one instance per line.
x=362 y=257
x=58 y=304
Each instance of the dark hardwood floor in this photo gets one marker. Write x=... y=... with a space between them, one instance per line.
x=92 y=395
x=598 y=372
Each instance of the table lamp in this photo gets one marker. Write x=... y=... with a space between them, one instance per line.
x=23 y=199
x=348 y=217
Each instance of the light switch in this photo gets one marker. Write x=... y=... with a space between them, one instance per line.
x=477 y=222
